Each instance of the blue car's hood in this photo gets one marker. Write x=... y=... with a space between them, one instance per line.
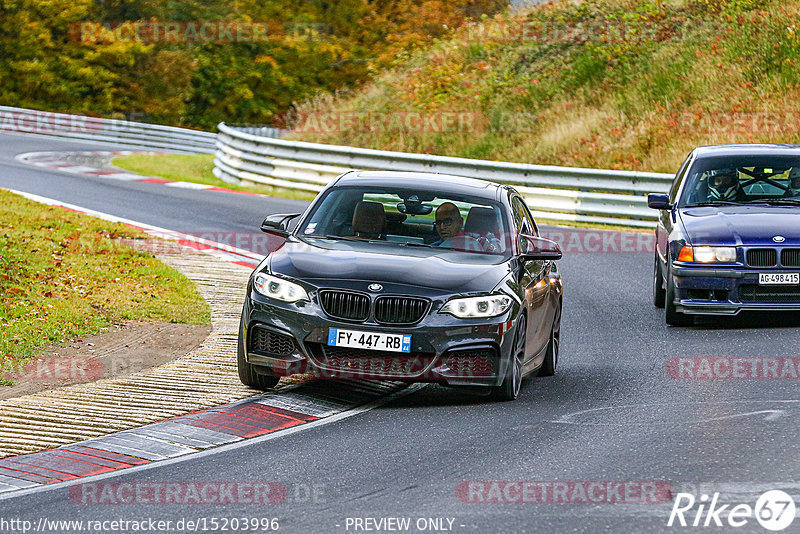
x=741 y=225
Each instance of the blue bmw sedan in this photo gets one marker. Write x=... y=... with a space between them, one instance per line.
x=728 y=234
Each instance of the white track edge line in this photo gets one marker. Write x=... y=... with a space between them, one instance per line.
x=215 y=450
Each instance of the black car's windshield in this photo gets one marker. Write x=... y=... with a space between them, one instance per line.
x=404 y=217
x=734 y=180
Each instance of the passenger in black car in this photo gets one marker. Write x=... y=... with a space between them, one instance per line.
x=369 y=220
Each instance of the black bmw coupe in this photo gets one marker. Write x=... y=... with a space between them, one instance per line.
x=405 y=276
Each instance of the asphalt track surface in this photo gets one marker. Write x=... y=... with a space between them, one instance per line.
x=611 y=413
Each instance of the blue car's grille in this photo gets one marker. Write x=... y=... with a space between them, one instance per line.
x=400 y=310
x=770 y=294
x=345 y=305
x=790 y=257
x=762 y=257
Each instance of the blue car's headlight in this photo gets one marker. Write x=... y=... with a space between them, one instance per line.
x=477 y=307
x=278 y=288
x=708 y=254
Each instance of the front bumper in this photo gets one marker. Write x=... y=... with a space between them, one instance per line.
x=730 y=290
x=443 y=348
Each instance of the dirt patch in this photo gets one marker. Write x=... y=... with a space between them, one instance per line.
x=119 y=350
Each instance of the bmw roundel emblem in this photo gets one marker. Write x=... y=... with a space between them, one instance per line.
x=779 y=239
x=375 y=287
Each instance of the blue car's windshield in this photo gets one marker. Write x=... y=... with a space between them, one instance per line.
x=743 y=180
x=409 y=218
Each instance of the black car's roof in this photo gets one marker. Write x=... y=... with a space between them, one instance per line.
x=424 y=181
x=754 y=149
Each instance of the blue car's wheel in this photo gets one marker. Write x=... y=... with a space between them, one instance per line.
x=659 y=293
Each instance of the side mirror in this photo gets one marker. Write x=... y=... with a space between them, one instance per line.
x=658 y=201
x=277 y=224
x=538 y=248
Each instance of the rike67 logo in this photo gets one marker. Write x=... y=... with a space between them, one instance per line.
x=774 y=510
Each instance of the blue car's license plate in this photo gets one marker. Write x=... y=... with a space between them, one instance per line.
x=766 y=279
x=369 y=340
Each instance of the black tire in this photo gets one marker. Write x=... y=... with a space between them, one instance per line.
x=509 y=389
x=659 y=293
x=247 y=373
x=550 y=363
x=674 y=317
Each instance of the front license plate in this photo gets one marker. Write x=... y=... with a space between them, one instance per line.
x=369 y=340
x=773 y=279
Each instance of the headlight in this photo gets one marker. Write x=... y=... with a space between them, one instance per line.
x=278 y=288
x=466 y=308
x=708 y=254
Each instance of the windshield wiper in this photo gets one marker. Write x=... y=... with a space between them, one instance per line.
x=778 y=201
x=335 y=237
x=408 y=244
x=716 y=203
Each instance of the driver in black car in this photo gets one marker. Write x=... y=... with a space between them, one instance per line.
x=449 y=224
x=724 y=185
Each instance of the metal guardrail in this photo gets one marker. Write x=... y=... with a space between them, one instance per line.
x=253 y=154
x=79 y=127
x=555 y=193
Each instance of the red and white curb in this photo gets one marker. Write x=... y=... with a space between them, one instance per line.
x=57 y=161
x=208 y=431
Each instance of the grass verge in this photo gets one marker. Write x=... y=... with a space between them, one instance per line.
x=63 y=275
x=195 y=168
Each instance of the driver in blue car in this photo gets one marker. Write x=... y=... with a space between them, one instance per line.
x=794 y=182
x=724 y=185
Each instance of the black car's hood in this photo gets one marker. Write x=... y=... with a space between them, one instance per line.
x=388 y=263
x=741 y=225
